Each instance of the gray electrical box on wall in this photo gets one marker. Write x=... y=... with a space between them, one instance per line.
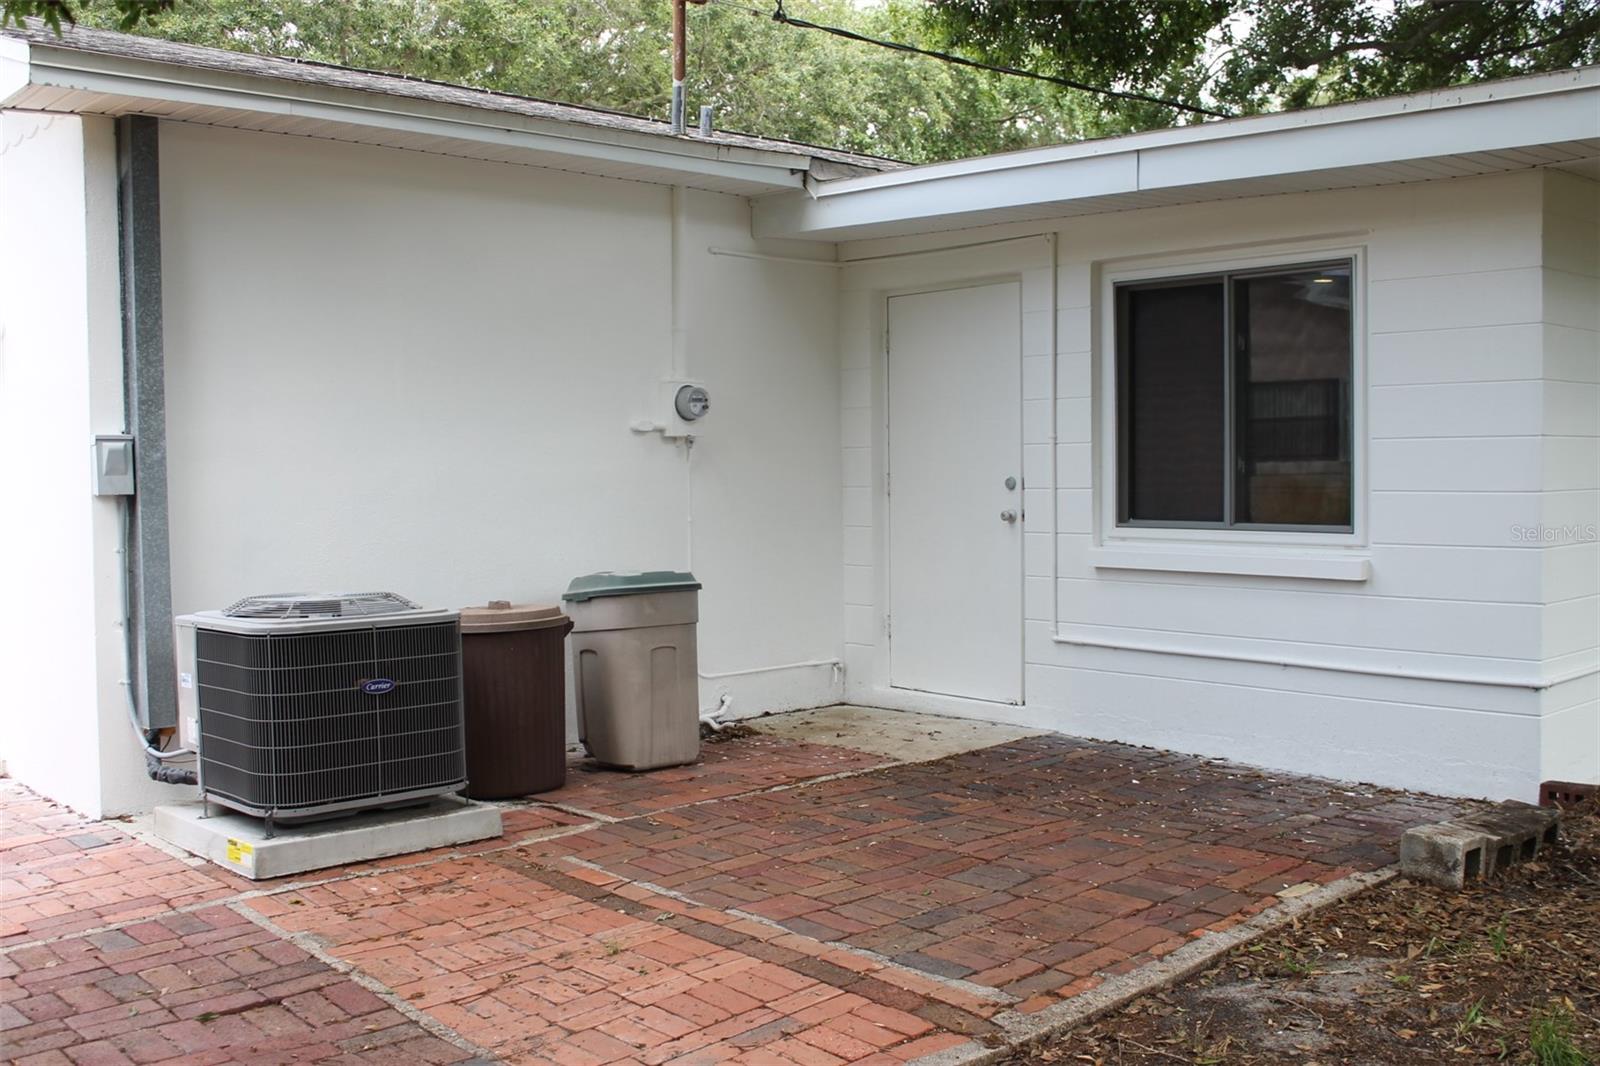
x=113 y=465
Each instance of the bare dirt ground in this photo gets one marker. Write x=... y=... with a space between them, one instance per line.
x=1404 y=974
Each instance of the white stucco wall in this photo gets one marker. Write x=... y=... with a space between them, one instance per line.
x=63 y=725
x=394 y=370
x=1430 y=673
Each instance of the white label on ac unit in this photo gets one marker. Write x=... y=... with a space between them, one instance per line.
x=186 y=681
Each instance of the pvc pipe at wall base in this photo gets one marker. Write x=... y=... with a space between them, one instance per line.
x=771 y=669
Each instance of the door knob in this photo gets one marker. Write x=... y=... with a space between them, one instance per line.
x=1008 y=516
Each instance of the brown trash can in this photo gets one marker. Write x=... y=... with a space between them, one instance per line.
x=513 y=664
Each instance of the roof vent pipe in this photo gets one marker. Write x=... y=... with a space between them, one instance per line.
x=705 y=120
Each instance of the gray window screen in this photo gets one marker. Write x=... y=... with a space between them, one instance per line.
x=1234 y=400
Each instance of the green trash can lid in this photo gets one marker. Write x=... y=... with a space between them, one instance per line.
x=628 y=583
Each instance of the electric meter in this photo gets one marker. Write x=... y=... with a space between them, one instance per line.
x=691 y=402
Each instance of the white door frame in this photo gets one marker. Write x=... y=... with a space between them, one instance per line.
x=865 y=286
x=885 y=498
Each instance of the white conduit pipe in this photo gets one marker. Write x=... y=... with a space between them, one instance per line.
x=770 y=669
x=711 y=717
x=770 y=258
x=679 y=362
x=680 y=297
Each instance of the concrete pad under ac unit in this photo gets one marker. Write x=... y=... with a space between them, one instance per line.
x=240 y=843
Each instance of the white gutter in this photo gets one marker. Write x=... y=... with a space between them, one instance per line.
x=138 y=81
x=1490 y=117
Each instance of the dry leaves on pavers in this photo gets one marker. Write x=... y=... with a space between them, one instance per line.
x=1404 y=974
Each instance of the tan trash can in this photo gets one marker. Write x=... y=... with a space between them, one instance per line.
x=636 y=668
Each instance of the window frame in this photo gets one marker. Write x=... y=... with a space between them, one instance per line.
x=1178 y=270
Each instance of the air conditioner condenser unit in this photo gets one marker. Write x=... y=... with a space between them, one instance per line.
x=303 y=705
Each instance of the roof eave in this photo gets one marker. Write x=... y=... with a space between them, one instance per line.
x=99 y=83
x=1331 y=147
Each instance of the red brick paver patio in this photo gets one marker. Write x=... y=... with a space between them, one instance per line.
x=781 y=902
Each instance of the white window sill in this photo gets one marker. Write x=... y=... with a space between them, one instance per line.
x=1330 y=565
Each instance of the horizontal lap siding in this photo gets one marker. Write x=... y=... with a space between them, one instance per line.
x=1436 y=741
x=1472 y=433
x=1455 y=413
x=1571 y=477
x=1507 y=631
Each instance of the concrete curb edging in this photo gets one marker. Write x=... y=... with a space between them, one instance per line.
x=1020 y=1030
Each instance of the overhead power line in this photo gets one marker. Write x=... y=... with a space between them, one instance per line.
x=782 y=16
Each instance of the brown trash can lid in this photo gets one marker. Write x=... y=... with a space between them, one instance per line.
x=503 y=616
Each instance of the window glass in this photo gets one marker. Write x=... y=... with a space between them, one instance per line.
x=1291 y=366
x=1234 y=399
x=1171 y=386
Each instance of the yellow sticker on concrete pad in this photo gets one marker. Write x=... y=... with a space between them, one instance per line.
x=240 y=852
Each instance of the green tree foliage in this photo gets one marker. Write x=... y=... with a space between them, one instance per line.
x=125 y=14
x=760 y=76
x=1238 y=56
x=1309 y=51
x=1254 y=55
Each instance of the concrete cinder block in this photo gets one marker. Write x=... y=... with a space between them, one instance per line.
x=1519 y=824
x=1478 y=845
x=1445 y=854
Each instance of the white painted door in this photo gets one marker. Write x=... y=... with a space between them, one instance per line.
x=955 y=492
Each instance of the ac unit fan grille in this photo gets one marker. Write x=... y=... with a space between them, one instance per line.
x=302 y=605
x=307 y=722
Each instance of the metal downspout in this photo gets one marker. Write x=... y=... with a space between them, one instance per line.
x=144 y=382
